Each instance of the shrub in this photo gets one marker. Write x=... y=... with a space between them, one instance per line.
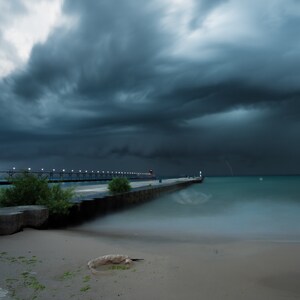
x=59 y=200
x=28 y=189
x=119 y=185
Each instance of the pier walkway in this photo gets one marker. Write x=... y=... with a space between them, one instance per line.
x=97 y=190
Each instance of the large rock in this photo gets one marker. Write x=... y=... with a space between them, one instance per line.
x=34 y=215
x=10 y=222
x=13 y=219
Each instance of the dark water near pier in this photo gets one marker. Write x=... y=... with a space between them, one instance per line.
x=222 y=206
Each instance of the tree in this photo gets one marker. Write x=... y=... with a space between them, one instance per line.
x=28 y=189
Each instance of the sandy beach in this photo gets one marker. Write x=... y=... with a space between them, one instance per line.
x=52 y=264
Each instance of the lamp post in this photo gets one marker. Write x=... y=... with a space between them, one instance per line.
x=40 y=174
x=71 y=175
x=11 y=172
x=61 y=174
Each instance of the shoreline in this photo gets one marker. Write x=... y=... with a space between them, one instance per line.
x=215 y=269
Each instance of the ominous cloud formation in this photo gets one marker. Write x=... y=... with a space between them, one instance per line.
x=174 y=85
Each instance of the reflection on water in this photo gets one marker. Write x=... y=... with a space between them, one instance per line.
x=236 y=206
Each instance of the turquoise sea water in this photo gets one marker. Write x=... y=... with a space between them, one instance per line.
x=252 y=207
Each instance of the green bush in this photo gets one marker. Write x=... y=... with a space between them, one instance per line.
x=119 y=185
x=28 y=189
x=59 y=200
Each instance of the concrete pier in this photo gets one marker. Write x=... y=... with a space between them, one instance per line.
x=92 y=204
x=97 y=201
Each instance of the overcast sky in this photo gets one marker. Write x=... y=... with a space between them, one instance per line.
x=174 y=85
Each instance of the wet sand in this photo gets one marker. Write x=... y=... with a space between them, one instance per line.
x=52 y=264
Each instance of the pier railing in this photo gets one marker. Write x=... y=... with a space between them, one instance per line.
x=73 y=176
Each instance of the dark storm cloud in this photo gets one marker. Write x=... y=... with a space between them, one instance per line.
x=110 y=49
x=136 y=85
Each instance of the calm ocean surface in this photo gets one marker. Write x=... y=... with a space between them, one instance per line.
x=222 y=206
